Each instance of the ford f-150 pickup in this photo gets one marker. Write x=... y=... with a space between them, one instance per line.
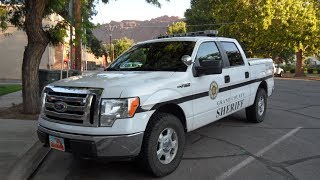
x=151 y=96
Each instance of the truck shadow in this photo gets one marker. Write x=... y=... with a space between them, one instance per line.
x=104 y=169
x=130 y=169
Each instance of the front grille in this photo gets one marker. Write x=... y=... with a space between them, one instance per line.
x=77 y=106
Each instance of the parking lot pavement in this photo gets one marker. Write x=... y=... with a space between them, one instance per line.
x=285 y=146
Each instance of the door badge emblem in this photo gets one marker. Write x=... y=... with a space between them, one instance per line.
x=213 y=90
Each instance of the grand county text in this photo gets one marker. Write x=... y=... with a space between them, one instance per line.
x=229 y=108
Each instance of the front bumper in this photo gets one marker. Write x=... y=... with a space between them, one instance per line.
x=96 y=145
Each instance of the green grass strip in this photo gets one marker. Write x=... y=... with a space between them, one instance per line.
x=9 y=88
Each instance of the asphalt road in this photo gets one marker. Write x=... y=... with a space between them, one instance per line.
x=285 y=146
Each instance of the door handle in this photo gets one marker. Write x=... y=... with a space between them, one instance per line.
x=227 y=79
x=247 y=74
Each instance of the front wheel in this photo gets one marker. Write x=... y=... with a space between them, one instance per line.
x=163 y=144
x=256 y=112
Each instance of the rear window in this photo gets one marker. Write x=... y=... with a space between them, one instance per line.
x=233 y=53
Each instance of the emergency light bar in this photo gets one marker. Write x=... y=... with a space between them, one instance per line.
x=210 y=33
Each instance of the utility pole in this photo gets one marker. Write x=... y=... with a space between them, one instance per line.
x=77 y=18
x=62 y=62
x=110 y=28
x=111 y=53
x=70 y=63
x=84 y=54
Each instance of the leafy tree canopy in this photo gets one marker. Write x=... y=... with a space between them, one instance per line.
x=176 y=28
x=121 y=45
x=13 y=12
x=95 y=45
x=28 y=15
x=270 y=28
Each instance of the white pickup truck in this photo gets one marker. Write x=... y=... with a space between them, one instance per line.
x=151 y=96
x=277 y=70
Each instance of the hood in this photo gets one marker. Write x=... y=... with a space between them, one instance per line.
x=109 y=79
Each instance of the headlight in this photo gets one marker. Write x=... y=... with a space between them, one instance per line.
x=43 y=102
x=113 y=109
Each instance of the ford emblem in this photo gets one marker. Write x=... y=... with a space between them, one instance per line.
x=60 y=106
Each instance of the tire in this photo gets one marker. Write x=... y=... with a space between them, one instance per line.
x=162 y=123
x=256 y=112
x=280 y=75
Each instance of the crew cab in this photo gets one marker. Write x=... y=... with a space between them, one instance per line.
x=153 y=94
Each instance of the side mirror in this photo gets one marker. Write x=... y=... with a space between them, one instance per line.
x=208 y=67
x=186 y=59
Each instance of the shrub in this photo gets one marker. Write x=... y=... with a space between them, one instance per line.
x=292 y=70
x=287 y=68
x=310 y=70
x=318 y=70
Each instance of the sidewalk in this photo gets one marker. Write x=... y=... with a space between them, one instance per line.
x=20 y=150
x=10 y=81
x=16 y=138
x=8 y=100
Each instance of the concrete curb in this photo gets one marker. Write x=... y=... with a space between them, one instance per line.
x=292 y=78
x=24 y=167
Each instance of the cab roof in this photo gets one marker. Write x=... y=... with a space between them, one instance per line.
x=191 y=38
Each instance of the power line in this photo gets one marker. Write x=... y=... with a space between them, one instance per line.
x=215 y=24
x=186 y=25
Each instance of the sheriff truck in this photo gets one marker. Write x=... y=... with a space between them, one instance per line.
x=146 y=101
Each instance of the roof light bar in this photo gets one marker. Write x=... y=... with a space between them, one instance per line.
x=210 y=33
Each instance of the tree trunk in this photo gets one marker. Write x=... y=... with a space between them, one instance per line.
x=77 y=16
x=37 y=42
x=299 y=61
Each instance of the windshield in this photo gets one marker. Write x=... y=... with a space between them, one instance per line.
x=157 y=56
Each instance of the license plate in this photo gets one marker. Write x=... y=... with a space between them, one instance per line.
x=56 y=143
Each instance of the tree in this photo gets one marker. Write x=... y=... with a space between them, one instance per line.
x=28 y=15
x=177 y=28
x=95 y=45
x=78 y=28
x=296 y=25
x=121 y=45
x=266 y=28
x=200 y=15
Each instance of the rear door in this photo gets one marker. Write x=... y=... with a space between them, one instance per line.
x=207 y=98
x=238 y=75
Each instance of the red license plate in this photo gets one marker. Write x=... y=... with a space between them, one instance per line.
x=56 y=143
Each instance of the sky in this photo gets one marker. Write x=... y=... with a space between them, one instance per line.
x=138 y=10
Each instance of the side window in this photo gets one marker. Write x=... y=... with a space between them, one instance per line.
x=234 y=55
x=208 y=51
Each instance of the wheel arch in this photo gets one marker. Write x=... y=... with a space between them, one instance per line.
x=263 y=85
x=174 y=109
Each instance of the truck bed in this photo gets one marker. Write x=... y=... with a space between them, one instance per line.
x=256 y=61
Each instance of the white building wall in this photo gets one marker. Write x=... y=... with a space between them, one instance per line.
x=12 y=49
x=11 y=54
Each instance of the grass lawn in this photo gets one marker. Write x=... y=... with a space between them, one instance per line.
x=9 y=88
x=313 y=75
x=307 y=76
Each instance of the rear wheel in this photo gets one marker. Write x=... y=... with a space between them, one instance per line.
x=163 y=144
x=256 y=112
